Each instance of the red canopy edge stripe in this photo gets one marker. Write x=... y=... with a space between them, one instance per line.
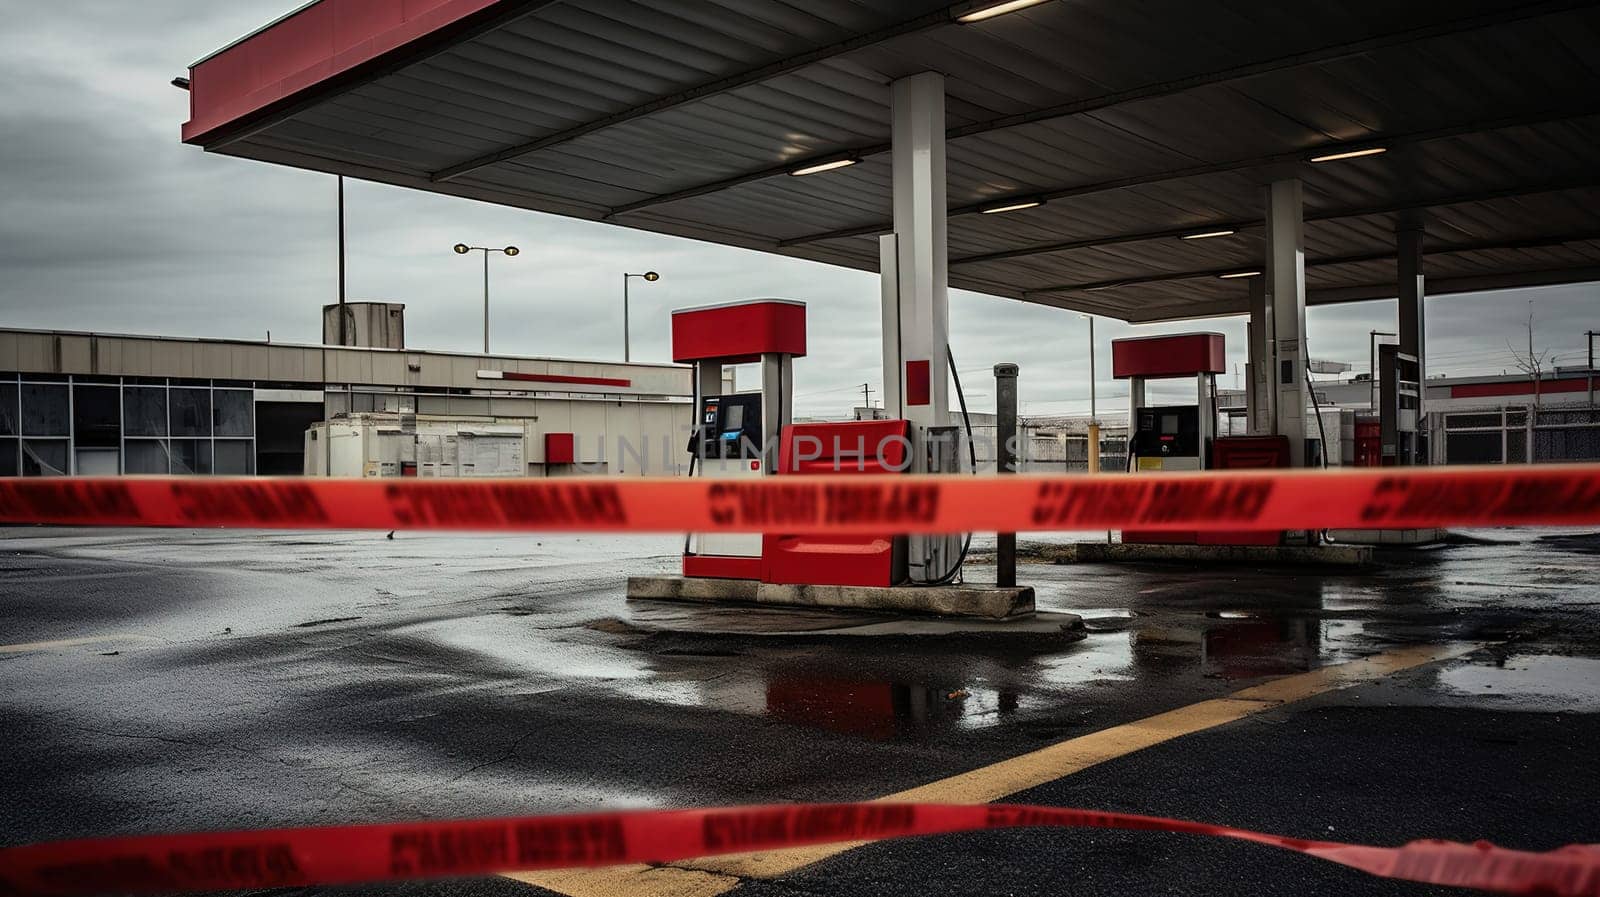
x=366 y=853
x=318 y=47
x=1365 y=498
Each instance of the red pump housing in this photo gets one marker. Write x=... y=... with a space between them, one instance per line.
x=845 y=448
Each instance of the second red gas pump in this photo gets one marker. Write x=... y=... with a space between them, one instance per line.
x=1184 y=437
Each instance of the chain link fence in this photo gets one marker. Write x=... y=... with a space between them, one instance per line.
x=1515 y=434
x=1055 y=448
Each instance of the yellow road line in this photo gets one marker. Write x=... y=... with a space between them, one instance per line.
x=71 y=643
x=716 y=875
x=627 y=881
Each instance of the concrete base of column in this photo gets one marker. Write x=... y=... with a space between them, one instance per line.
x=988 y=603
x=1389 y=536
x=1288 y=555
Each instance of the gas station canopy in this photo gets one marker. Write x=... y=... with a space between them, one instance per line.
x=1092 y=144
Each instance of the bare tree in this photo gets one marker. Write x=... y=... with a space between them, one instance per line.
x=1530 y=362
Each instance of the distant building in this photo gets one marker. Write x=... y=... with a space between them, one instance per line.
x=1508 y=418
x=78 y=403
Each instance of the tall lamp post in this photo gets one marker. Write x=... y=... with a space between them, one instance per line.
x=463 y=249
x=343 y=330
x=647 y=277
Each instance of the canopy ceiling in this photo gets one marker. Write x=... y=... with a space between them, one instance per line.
x=1135 y=124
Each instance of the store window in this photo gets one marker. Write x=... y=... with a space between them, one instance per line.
x=191 y=411
x=234 y=457
x=44 y=457
x=144 y=411
x=8 y=409
x=234 y=412
x=96 y=417
x=9 y=447
x=145 y=456
x=45 y=409
x=190 y=455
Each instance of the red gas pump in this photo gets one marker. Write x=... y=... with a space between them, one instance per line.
x=735 y=432
x=1183 y=437
x=750 y=434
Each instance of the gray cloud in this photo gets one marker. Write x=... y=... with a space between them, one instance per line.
x=110 y=223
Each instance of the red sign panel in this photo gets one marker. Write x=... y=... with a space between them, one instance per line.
x=739 y=332
x=1178 y=355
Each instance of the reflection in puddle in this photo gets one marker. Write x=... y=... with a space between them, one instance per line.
x=1225 y=647
x=1247 y=650
x=1099 y=658
x=879 y=710
x=1535 y=682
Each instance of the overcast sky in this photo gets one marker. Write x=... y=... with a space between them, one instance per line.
x=108 y=222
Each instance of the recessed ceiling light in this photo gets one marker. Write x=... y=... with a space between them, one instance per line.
x=998 y=9
x=1013 y=206
x=823 y=166
x=1240 y=274
x=1350 y=154
x=1207 y=235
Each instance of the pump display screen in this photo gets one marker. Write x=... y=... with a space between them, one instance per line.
x=732 y=422
x=730 y=426
x=1168 y=431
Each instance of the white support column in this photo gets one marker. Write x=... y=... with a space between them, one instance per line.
x=915 y=354
x=1259 y=393
x=777 y=384
x=921 y=257
x=1286 y=291
x=889 y=283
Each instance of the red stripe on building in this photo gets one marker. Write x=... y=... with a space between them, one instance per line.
x=1516 y=388
x=560 y=378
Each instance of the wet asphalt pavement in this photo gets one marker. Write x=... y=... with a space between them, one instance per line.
x=164 y=680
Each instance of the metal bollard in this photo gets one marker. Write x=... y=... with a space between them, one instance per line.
x=1005 y=377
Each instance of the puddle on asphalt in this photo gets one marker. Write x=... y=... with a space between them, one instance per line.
x=1233 y=632
x=882 y=710
x=1102 y=657
x=1532 y=682
x=1234 y=647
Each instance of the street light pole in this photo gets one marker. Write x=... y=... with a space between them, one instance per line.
x=463 y=249
x=1094 y=414
x=627 y=342
x=342 y=330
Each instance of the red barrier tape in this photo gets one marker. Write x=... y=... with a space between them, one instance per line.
x=1358 y=498
x=348 y=854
